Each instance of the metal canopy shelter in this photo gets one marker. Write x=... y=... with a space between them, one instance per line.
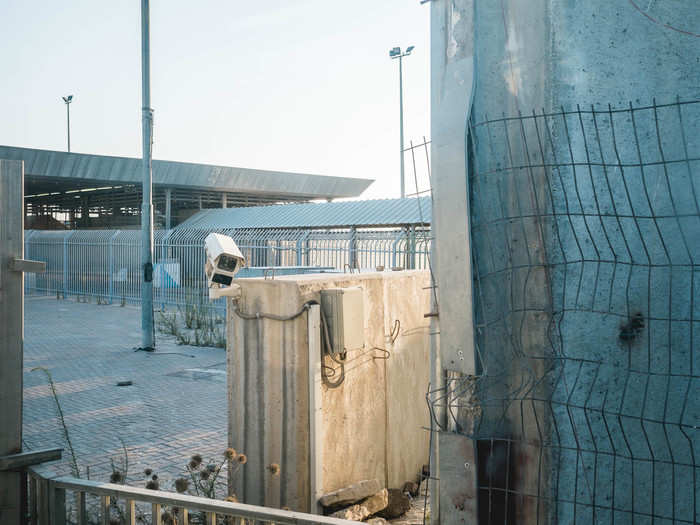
x=377 y=213
x=103 y=191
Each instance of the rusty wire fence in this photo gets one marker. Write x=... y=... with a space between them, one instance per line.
x=585 y=407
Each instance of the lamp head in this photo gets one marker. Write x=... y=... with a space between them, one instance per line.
x=68 y=99
x=410 y=48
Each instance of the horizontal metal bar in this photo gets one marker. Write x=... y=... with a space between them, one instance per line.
x=27 y=459
x=23 y=265
x=224 y=508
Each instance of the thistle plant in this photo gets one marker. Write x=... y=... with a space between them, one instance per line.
x=203 y=477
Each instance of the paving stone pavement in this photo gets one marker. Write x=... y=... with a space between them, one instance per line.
x=175 y=407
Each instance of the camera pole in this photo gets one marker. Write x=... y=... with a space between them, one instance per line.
x=147 y=332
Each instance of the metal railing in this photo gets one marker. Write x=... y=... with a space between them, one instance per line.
x=48 y=497
x=104 y=264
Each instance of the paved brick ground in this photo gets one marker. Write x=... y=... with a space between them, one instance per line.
x=176 y=406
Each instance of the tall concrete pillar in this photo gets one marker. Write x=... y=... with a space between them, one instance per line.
x=557 y=130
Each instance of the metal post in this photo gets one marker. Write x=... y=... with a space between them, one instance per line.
x=68 y=120
x=315 y=409
x=147 y=332
x=352 y=248
x=168 y=208
x=11 y=332
x=397 y=239
x=403 y=180
x=436 y=383
x=65 y=262
x=68 y=99
x=306 y=248
x=29 y=280
x=110 y=277
x=300 y=251
x=85 y=210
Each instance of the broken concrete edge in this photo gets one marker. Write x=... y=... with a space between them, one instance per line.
x=356 y=502
x=351 y=494
x=365 y=508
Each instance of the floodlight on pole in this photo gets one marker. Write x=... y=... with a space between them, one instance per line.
x=68 y=99
x=396 y=53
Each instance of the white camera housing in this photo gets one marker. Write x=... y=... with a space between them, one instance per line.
x=224 y=260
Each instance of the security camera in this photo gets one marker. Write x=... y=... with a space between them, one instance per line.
x=224 y=259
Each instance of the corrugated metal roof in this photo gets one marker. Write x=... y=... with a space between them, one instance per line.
x=125 y=170
x=364 y=213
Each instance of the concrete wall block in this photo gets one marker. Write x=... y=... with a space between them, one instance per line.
x=372 y=424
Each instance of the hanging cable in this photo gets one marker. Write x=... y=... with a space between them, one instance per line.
x=274 y=317
x=327 y=343
x=326 y=371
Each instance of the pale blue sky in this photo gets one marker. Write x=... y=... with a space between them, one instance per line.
x=297 y=85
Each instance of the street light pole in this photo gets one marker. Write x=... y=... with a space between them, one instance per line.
x=68 y=99
x=403 y=176
x=396 y=53
x=147 y=331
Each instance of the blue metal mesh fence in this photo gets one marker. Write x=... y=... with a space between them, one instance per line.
x=105 y=263
x=586 y=246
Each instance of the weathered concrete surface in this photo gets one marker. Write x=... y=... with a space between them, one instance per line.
x=555 y=289
x=452 y=59
x=452 y=84
x=544 y=54
x=372 y=425
x=352 y=494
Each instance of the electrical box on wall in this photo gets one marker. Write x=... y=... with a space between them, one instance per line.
x=343 y=309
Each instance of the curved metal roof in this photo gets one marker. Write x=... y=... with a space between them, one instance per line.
x=80 y=168
x=363 y=213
